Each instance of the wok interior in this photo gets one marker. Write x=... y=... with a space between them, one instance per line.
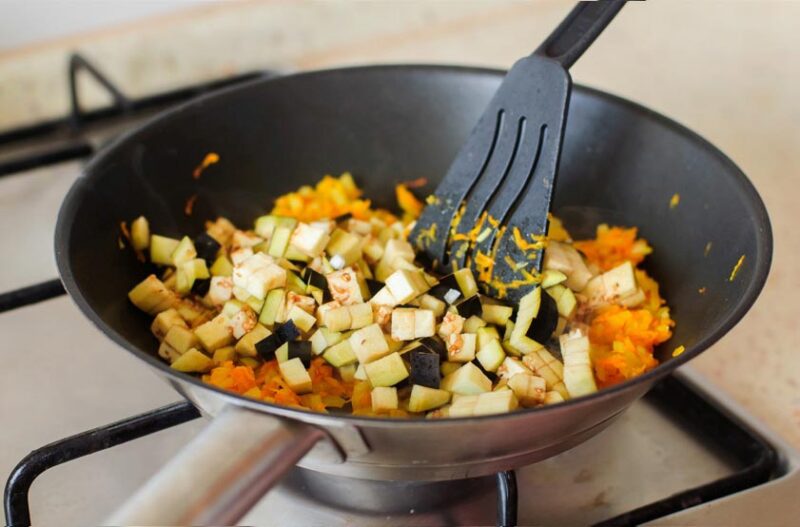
x=386 y=125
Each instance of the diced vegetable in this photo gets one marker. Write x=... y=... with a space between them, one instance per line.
x=272 y=305
x=491 y=355
x=207 y=247
x=325 y=306
x=467 y=380
x=386 y=371
x=340 y=354
x=152 y=296
x=181 y=339
x=424 y=365
x=193 y=361
x=529 y=389
x=295 y=375
x=499 y=402
x=578 y=376
x=164 y=321
x=384 y=398
x=246 y=346
x=496 y=314
x=161 y=249
x=140 y=233
x=369 y=344
x=424 y=398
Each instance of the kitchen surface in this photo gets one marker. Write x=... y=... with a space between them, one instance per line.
x=726 y=69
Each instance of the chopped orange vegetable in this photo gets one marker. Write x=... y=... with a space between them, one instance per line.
x=209 y=160
x=613 y=246
x=407 y=201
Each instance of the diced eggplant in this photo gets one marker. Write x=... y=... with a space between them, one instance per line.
x=424 y=398
x=228 y=353
x=300 y=349
x=287 y=331
x=140 y=233
x=360 y=315
x=164 y=321
x=436 y=345
x=161 y=249
x=473 y=324
x=152 y=296
x=403 y=324
x=553 y=398
x=496 y=314
x=461 y=347
x=384 y=398
x=383 y=298
x=309 y=240
x=301 y=318
x=470 y=307
x=181 y=339
x=201 y=287
x=184 y=252
x=451 y=324
x=491 y=355
x=467 y=380
x=282 y=353
x=344 y=286
x=337 y=318
x=345 y=245
x=265 y=225
x=528 y=388
x=193 y=361
x=445 y=284
x=578 y=375
x=222 y=266
x=295 y=375
x=499 y=402
x=207 y=247
x=315 y=279
x=295 y=284
x=487 y=334
x=551 y=277
x=369 y=344
x=373 y=286
x=512 y=366
x=340 y=354
x=620 y=281
x=528 y=310
x=545 y=323
x=562 y=257
x=246 y=346
x=424 y=366
x=405 y=284
x=466 y=282
x=386 y=371
x=566 y=303
x=272 y=305
x=168 y=353
x=282 y=334
x=432 y=304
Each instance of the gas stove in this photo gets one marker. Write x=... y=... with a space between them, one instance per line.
x=683 y=455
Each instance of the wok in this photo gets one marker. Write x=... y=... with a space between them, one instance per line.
x=621 y=163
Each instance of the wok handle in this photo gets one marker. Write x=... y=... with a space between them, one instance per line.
x=222 y=473
x=578 y=30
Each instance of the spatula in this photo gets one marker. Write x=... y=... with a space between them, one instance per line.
x=490 y=211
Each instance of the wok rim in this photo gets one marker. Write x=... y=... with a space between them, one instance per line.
x=72 y=201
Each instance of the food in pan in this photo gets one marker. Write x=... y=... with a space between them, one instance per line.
x=322 y=304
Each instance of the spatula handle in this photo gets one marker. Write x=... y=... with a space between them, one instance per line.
x=578 y=30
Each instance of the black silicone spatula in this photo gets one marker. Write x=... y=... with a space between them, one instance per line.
x=490 y=210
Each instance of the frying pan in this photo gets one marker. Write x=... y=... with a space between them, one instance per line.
x=621 y=163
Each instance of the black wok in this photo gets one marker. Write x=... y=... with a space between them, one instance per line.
x=621 y=163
